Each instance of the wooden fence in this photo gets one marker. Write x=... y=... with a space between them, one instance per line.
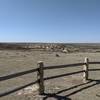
x=40 y=74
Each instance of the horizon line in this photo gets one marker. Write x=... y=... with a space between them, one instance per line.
x=55 y=42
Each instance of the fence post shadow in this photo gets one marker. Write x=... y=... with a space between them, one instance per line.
x=97 y=82
x=58 y=96
x=73 y=87
x=55 y=97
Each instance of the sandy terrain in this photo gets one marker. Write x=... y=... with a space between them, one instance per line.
x=71 y=87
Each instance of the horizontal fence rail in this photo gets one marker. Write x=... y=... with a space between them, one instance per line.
x=63 y=66
x=94 y=62
x=94 y=69
x=16 y=89
x=3 y=78
x=52 y=77
x=40 y=74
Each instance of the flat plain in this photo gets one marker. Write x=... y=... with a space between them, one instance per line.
x=72 y=87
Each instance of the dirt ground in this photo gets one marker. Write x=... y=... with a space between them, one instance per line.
x=65 y=88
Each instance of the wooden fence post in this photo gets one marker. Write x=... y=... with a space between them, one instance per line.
x=86 y=69
x=41 y=77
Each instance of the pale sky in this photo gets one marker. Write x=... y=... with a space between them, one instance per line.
x=50 y=21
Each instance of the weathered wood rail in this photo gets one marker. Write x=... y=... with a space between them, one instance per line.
x=41 y=78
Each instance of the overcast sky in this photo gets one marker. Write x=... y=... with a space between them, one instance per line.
x=49 y=20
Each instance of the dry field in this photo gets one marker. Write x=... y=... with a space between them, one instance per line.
x=71 y=87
